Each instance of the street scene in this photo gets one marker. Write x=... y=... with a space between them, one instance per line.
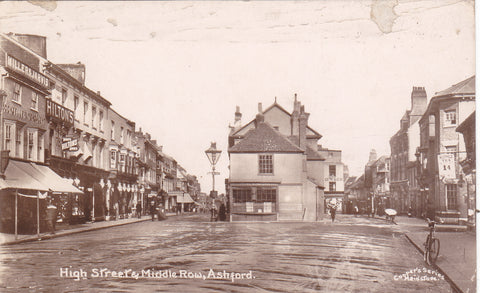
x=181 y=146
x=352 y=255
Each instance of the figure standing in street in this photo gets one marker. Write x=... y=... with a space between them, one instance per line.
x=222 y=216
x=356 y=211
x=51 y=217
x=139 y=209
x=333 y=210
x=153 y=210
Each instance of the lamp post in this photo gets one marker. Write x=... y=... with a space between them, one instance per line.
x=213 y=156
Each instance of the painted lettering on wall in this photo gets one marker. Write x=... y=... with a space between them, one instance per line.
x=23 y=115
x=58 y=112
x=27 y=71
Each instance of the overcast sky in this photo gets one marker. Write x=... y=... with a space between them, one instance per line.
x=178 y=69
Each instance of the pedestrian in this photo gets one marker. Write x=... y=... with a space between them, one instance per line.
x=153 y=210
x=356 y=211
x=333 y=210
x=139 y=209
x=51 y=217
x=222 y=216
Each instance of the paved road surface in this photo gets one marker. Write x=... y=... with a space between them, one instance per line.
x=351 y=255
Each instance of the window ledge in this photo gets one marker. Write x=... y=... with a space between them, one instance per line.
x=34 y=110
x=17 y=102
x=86 y=124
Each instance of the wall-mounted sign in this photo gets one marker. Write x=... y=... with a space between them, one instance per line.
x=17 y=112
x=446 y=166
x=69 y=144
x=27 y=71
x=59 y=112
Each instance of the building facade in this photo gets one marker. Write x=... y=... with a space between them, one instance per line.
x=403 y=146
x=276 y=172
x=333 y=171
x=442 y=149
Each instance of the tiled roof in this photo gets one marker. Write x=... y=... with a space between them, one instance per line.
x=464 y=87
x=264 y=139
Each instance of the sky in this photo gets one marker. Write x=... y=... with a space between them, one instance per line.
x=179 y=69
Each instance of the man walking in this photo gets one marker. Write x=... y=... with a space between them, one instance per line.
x=153 y=210
x=139 y=209
x=333 y=210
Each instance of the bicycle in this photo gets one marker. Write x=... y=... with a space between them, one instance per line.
x=432 y=245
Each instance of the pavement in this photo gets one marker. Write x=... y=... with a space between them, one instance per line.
x=457 y=257
x=64 y=230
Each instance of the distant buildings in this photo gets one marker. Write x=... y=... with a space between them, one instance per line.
x=403 y=146
x=49 y=118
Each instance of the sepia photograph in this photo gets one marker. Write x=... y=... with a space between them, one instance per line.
x=238 y=146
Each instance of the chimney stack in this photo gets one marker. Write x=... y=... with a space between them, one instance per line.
x=259 y=118
x=302 y=131
x=373 y=156
x=295 y=116
x=419 y=100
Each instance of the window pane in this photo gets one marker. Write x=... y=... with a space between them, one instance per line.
x=265 y=164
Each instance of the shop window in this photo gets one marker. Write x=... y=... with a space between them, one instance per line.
x=265 y=164
x=266 y=195
x=34 y=105
x=451 y=190
x=242 y=195
x=450 y=118
x=17 y=93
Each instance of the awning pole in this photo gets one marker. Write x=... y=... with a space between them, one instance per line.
x=38 y=214
x=16 y=214
x=93 y=205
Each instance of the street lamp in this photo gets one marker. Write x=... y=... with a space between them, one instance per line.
x=213 y=156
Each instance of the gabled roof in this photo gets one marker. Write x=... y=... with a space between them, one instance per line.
x=274 y=105
x=264 y=139
x=464 y=87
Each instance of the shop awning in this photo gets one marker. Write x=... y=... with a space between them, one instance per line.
x=26 y=175
x=185 y=198
x=17 y=178
x=55 y=182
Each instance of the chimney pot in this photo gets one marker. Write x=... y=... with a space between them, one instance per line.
x=260 y=108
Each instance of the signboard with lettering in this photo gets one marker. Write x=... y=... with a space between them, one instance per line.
x=69 y=144
x=59 y=112
x=27 y=71
x=446 y=166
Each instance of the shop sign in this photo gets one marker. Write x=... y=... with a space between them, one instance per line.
x=27 y=71
x=69 y=144
x=14 y=111
x=446 y=166
x=333 y=178
x=59 y=112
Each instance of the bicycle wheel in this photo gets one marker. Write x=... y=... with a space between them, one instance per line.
x=433 y=251
x=426 y=251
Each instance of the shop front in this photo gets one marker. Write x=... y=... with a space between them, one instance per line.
x=24 y=190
